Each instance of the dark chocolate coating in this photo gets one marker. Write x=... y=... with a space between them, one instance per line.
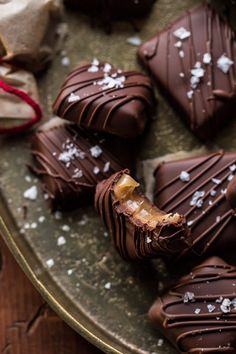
x=213 y=100
x=231 y=193
x=227 y=9
x=123 y=110
x=212 y=220
x=113 y=9
x=204 y=324
x=135 y=240
x=72 y=184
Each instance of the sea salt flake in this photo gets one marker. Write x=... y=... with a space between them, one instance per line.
x=232 y=168
x=218 y=218
x=233 y=303
x=216 y=180
x=223 y=191
x=77 y=173
x=31 y=193
x=61 y=241
x=50 y=263
x=109 y=82
x=134 y=40
x=160 y=342
x=190 y=94
x=148 y=240
x=181 y=74
x=41 y=219
x=188 y=297
x=107 y=68
x=57 y=215
x=107 y=286
x=70 y=271
x=190 y=222
x=106 y=167
x=70 y=153
x=198 y=72
x=194 y=81
x=95 y=151
x=65 y=228
x=207 y=58
x=197 y=311
x=28 y=179
x=184 y=176
x=34 y=225
x=197 y=199
x=219 y=300
x=96 y=170
x=211 y=308
x=181 y=54
x=182 y=33
x=65 y=61
x=230 y=178
x=225 y=306
x=213 y=193
x=94 y=66
x=73 y=98
x=224 y=63
x=178 y=44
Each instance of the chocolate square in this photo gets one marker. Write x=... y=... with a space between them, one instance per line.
x=70 y=162
x=197 y=187
x=101 y=98
x=193 y=61
x=198 y=315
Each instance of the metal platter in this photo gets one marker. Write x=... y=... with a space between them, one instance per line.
x=88 y=285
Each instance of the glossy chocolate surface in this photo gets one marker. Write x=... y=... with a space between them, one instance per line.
x=197 y=187
x=198 y=315
x=231 y=193
x=194 y=62
x=102 y=98
x=133 y=238
x=70 y=162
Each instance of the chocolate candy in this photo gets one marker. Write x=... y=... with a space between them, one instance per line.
x=113 y=9
x=196 y=188
x=137 y=228
x=70 y=162
x=101 y=98
x=231 y=193
x=198 y=315
x=194 y=63
x=227 y=9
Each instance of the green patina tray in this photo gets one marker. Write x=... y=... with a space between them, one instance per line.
x=88 y=285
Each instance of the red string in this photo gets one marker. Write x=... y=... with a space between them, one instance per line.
x=27 y=99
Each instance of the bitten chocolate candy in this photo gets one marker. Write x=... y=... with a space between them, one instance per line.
x=115 y=9
x=194 y=63
x=198 y=315
x=137 y=228
x=70 y=162
x=101 y=98
x=196 y=188
x=231 y=193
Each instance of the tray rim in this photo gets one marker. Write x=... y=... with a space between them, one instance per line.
x=101 y=340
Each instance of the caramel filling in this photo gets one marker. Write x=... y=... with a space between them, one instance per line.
x=141 y=208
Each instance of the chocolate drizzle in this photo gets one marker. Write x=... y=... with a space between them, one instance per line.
x=211 y=218
x=70 y=162
x=109 y=100
x=198 y=315
x=202 y=89
x=131 y=237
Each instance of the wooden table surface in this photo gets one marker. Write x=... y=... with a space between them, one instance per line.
x=27 y=324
